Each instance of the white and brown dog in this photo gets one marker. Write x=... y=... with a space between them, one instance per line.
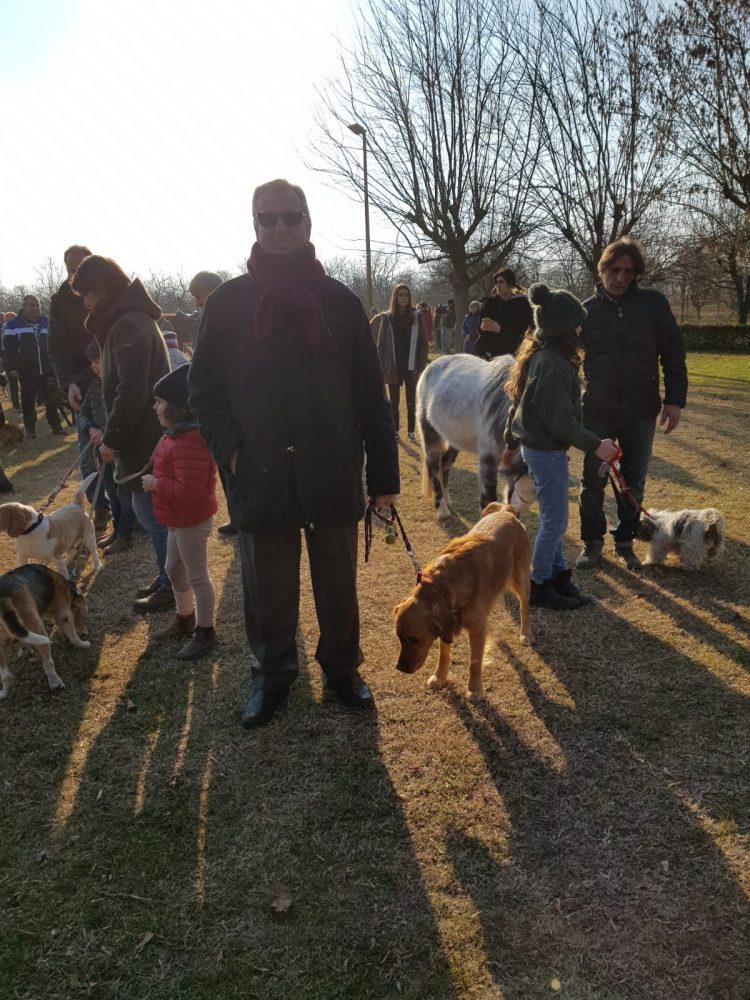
x=697 y=536
x=27 y=594
x=51 y=537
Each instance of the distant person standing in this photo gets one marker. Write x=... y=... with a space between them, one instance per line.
x=15 y=398
x=426 y=314
x=25 y=353
x=505 y=317
x=449 y=327
x=402 y=349
x=67 y=341
x=200 y=287
x=470 y=327
x=437 y=327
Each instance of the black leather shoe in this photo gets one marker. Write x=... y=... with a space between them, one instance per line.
x=352 y=692
x=149 y=590
x=227 y=529
x=261 y=707
x=161 y=600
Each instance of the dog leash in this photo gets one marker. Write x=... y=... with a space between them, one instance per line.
x=394 y=523
x=64 y=481
x=620 y=488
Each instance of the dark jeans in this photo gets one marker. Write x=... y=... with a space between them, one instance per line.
x=120 y=503
x=13 y=390
x=33 y=385
x=88 y=466
x=270 y=575
x=156 y=532
x=409 y=382
x=635 y=440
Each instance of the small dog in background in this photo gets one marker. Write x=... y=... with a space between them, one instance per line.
x=457 y=591
x=697 y=536
x=27 y=593
x=51 y=537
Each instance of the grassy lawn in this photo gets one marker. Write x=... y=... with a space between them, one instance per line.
x=589 y=822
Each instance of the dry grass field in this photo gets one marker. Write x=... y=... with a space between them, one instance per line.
x=583 y=832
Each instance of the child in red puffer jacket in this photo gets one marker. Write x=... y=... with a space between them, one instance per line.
x=183 y=484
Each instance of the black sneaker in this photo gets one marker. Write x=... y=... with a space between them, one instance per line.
x=149 y=590
x=162 y=599
x=563 y=584
x=227 y=529
x=544 y=595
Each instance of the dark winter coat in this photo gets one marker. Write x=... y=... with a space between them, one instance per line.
x=470 y=331
x=299 y=420
x=134 y=358
x=548 y=415
x=25 y=347
x=68 y=338
x=515 y=318
x=185 y=493
x=625 y=340
x=414 y=357
x=93 y=412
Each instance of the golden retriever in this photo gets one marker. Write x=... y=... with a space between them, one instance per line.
x=50 y=537
x=457 y=591
x=26 y=594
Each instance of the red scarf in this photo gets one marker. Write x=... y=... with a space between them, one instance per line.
x=286 y=287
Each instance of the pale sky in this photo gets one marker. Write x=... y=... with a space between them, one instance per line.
x=140 y=128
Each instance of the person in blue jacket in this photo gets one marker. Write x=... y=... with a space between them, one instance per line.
x=24 y=348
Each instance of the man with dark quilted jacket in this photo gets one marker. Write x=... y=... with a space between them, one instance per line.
x=628 y=334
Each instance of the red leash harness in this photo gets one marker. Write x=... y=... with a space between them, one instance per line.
x=620 y=487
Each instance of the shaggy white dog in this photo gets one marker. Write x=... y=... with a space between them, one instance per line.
x=697 y=536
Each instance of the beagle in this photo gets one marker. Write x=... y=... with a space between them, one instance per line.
x=50 y=537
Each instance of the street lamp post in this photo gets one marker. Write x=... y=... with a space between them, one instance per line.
x=360 y=130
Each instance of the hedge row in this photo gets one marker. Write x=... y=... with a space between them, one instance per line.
x=717 y=338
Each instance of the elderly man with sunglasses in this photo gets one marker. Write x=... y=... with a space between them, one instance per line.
x=288 y=391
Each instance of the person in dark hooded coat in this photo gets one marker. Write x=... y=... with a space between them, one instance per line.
x=122 y=316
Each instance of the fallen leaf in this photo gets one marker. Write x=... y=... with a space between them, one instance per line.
x=42 y=855
x=130 y=706
x=665 y=866
x=279 y=899
x=555 y=985
x=99 y=795
x=148 y=936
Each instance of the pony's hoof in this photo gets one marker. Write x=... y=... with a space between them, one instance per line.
x=56 y=685
x=526 y=639
x=443 y=511
x=84 y=644
x=434 y=683
x=475 y=696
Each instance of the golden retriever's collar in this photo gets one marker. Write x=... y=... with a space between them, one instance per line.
x=35 y=524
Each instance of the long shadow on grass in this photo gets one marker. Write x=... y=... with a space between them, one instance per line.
x=175 y=822
x=616 y=883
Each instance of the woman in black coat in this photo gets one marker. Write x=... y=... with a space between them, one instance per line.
x=122 y=316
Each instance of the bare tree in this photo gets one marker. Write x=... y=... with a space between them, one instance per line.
x=50 y=274
x=445 y=101
x=169 y=290
x=705 y=52
x=606 y=124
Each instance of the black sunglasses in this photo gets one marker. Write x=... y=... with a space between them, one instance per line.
x=290 y=219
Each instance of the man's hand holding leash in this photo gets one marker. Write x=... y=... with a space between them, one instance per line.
x=107 y=454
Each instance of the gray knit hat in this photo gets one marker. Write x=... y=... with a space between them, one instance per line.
x=555 y=311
